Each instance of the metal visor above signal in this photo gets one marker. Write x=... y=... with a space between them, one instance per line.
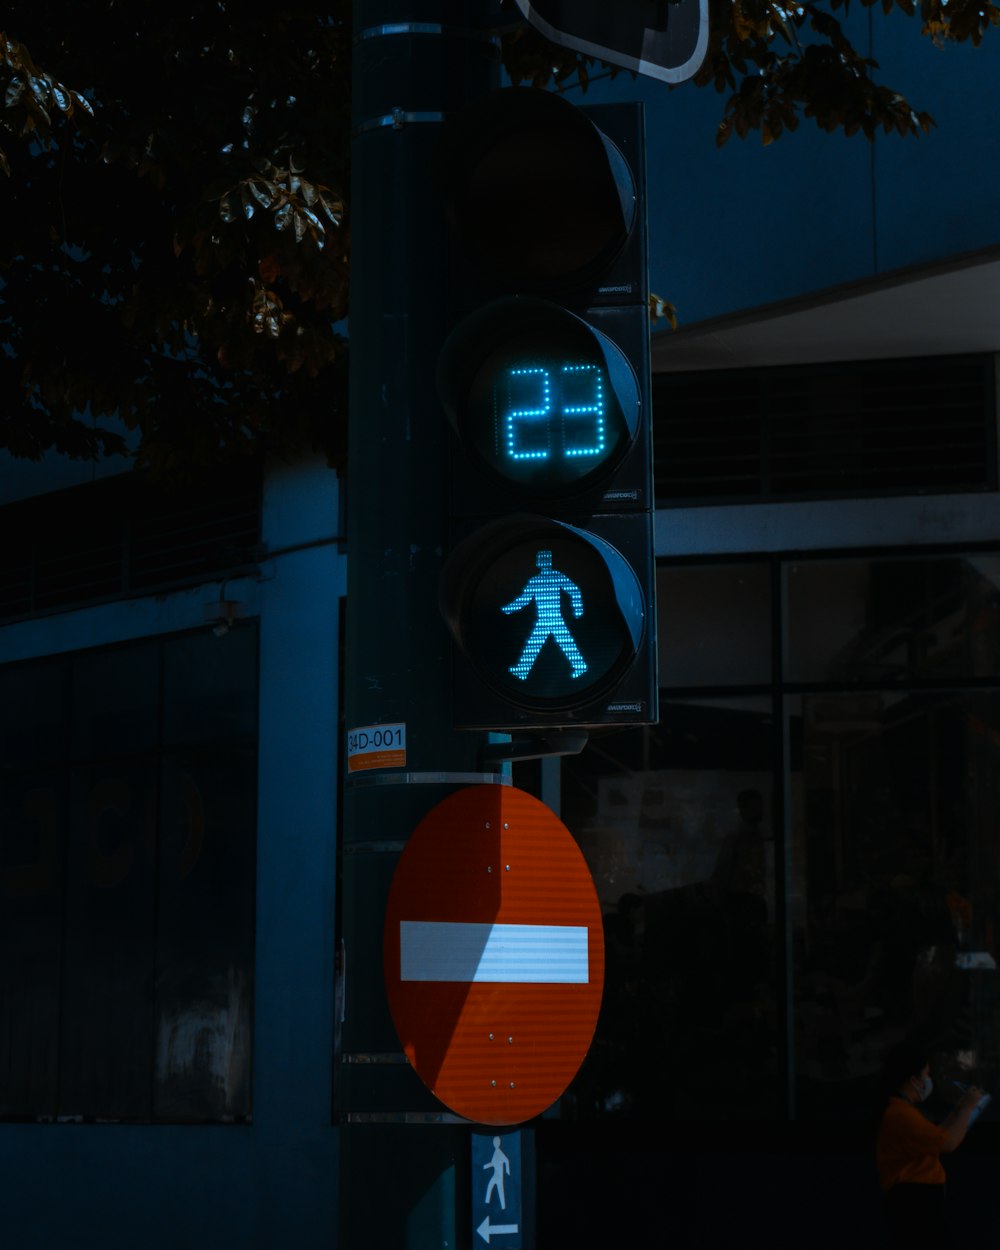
x=545 y=400
x=549 y=615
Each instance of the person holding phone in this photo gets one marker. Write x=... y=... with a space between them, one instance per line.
x=909 y=1148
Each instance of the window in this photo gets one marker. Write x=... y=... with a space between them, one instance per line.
x=894 y=899
x=125 y=536
x=677 y=824
x=845 y=430
x=798 y=865
x=127 y=868
x=892 y=816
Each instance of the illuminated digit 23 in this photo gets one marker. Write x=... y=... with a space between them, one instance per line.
x=527 y=430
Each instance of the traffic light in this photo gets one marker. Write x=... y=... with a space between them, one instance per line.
x=544 y=377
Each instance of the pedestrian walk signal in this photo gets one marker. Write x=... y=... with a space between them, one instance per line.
x=544 y=378
x=545 y=590
x=548 y=618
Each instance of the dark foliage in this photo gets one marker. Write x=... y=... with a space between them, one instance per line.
x=174 y=263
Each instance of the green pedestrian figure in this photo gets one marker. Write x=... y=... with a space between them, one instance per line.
x=545 y=589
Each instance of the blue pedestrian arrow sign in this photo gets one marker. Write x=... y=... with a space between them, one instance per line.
x=497 y=1219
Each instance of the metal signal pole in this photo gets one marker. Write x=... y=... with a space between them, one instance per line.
x=404 y=1170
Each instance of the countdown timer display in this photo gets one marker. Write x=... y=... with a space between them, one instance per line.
x=548 y=417
x=547 y=404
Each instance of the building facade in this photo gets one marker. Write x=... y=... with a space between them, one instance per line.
x=169 y=863
x=798 y=865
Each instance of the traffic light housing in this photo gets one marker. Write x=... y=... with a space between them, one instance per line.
x=549 y=582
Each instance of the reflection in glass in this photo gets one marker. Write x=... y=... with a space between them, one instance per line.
x=890 y=619
x=127 y=881
x=676 y=825
x=107 y=990
x=116 y=697
x=891 y=895
x=32 y=713
x=205 y=936
x=32 y=817
x=895 y=804
x=713 y=624
x=210 y=686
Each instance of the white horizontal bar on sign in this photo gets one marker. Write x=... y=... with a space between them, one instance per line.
x=431 y=950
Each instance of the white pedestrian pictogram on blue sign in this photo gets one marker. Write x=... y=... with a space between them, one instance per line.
x=499 y=1164
x=500 y=1194
x=546 y=589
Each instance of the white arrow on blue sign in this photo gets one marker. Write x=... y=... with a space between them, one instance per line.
x=486 y=1230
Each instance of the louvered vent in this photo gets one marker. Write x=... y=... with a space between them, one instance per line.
x=124 y=537
x=899 y=427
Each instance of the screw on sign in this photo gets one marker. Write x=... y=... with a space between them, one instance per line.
x=494 y=954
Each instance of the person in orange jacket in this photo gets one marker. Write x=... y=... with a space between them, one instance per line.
x=909 y=1148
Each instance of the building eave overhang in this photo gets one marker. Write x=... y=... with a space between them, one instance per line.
x=948 y=307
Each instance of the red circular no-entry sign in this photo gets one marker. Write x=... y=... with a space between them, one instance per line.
x=494 y=954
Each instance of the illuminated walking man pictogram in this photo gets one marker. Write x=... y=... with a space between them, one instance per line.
x=500 y=1164
x=546 y=589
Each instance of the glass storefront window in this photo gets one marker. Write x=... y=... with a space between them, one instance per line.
x=892 y=619
x=676 y=823
x=714 y=625
x=31 y=710
x=781 y=907
x=127 y=868
x=894 y=891
x=115 y=700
